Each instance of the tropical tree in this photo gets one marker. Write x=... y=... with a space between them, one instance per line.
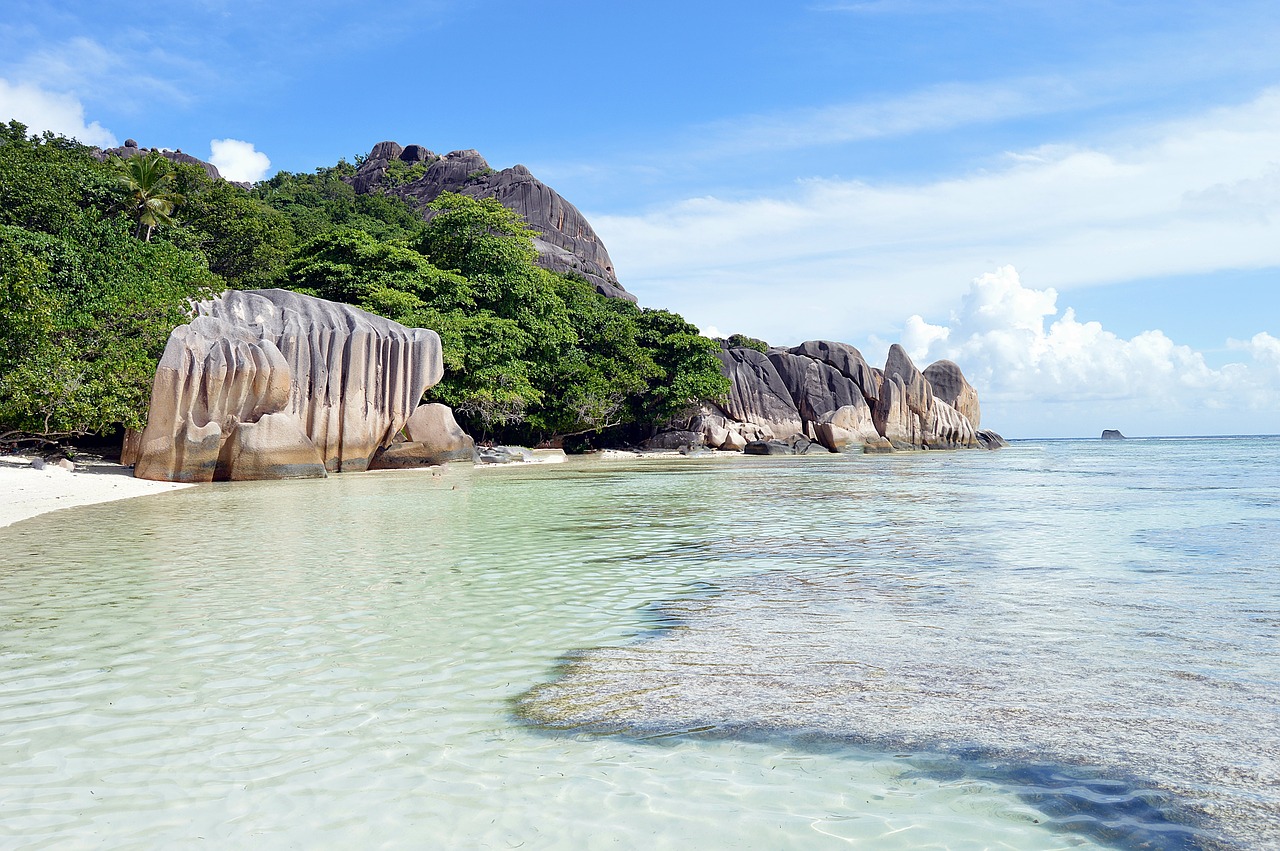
x=152 y=196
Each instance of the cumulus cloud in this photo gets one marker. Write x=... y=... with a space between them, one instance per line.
x=42 y=110
x=238 y=160
x=1195 y=196
x=1016 y=348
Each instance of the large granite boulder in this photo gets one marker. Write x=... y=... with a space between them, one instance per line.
x=274 y=384
x=910 y=416
x=949 y=385
x=565 y=241
x=917 y=392
x=816 y=388
x=989 y=439
x=949 y=429
x=850 y=429
x=827 y=393
x=758 y=395
x=847 y=360
x=431 y=436
x=894 y=419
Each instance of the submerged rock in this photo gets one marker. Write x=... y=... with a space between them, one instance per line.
x=268 y=384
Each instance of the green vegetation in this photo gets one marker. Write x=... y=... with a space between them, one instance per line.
x=99 y=261
x=742 y=341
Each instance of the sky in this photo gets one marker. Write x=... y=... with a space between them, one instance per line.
x=1078 y=202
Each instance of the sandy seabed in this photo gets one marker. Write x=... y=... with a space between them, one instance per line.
x=26 y=492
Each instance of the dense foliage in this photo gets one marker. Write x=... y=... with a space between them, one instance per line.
x=98 y=261
x=85 y=305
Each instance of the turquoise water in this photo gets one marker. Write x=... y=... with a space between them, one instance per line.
x=1060 y=645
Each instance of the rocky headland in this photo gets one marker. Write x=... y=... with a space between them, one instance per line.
x=822 y=396
x=266 y=384
x=130 y=149
x=566 y=242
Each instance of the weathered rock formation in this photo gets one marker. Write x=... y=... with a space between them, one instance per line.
x=431 y=436
x=950 y=386
x=566 y=242
x=130 y=149
x=988 y=439
x=1112 y=434
x=269 y=384
x=826 y=393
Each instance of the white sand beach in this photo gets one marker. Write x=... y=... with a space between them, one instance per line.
x=26 y=492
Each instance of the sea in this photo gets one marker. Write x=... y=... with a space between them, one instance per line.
x=1058 y=645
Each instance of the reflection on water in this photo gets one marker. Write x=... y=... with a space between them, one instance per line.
x=334 y=664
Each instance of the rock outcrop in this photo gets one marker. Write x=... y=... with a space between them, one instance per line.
x=130 y=149
x=950 y=386
x=758 y=395
x=565 y=242
x=988 y=439
x=1112 y=434
x=268 y=384
x=826 y=393
x=431 y=436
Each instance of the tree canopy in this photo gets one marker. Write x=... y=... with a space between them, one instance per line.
x=100 y=260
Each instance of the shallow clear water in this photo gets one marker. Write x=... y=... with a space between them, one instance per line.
x=1054 y=646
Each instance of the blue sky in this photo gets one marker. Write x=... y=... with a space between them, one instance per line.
x=952 y=175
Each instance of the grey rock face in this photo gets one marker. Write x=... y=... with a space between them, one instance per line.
x=815 y=387
x=126 y=150
x=432 y=436
x=503 y=455
x=847 y=360
x=566 y=242
x=267 y=384
x=676 y=439
x=1112 y=434
x=988 y=439
x=950 y=386
x=827 y=392
x=758 y=394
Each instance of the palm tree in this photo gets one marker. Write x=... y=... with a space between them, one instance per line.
x=149 y=181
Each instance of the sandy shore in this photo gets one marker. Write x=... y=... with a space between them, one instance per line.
x=26 y=492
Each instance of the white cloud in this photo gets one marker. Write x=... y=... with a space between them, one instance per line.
x=931 y=109
x=238 y=160
x=42 y=110
x=1195 y=196
x=135 y=75
x=1026 y=369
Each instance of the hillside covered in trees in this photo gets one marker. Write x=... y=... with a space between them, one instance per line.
x=100 y=260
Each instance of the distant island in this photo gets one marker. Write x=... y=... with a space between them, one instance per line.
x=1112 y=434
